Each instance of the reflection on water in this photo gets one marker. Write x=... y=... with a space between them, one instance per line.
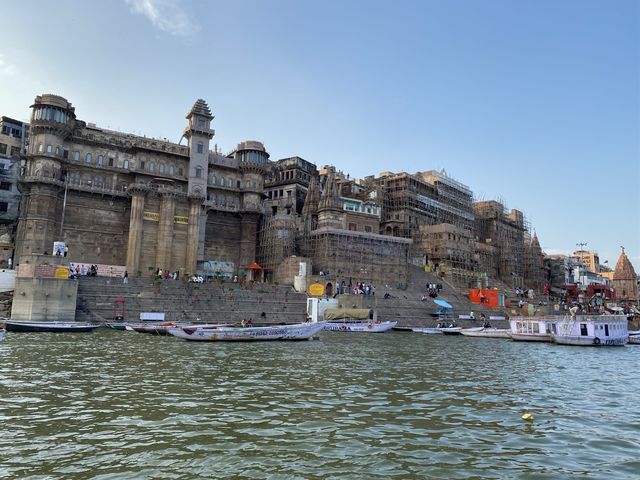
x=118 y=405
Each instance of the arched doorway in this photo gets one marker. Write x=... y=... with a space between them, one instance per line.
x=328 y=289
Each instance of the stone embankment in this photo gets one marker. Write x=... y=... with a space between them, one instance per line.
x=229 y=302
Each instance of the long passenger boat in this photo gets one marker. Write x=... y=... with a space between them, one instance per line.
x=226 y=333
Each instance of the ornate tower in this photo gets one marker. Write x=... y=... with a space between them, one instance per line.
x=253 y=160
x=198 y=134
x=625 y=280
x=310 y=207
x=52 y=122
x=330 y=213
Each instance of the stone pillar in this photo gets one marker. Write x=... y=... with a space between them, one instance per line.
x=193 y=233
x=137 y=192
x=165 y=229
x=39 y=220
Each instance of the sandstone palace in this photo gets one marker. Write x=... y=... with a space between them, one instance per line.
x=124 y=201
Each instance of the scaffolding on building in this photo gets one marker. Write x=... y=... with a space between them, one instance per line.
x=276 y=240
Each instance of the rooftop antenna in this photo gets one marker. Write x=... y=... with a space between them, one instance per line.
x=581 y=245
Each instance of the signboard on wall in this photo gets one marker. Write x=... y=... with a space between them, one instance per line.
x=316 y=290
x=58 y=249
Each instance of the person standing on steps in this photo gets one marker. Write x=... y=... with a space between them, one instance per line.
x=126 y=277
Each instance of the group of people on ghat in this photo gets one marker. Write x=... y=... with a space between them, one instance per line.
x=362 y=289
x=432 y=291
x=167 y=275
x=78 y=270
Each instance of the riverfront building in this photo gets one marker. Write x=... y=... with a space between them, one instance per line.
x=139 y=203
x=125 y=201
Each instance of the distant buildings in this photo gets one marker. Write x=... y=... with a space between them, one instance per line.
x=13 y=138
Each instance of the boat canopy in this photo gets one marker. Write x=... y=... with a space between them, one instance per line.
x=442 y=303
x=347 y=313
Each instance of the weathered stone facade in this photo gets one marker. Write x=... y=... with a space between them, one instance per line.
x=121 y=199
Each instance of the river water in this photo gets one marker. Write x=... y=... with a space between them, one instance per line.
x=121 y=405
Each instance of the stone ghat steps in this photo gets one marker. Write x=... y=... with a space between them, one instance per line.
x=231 y=302
x=210 y=302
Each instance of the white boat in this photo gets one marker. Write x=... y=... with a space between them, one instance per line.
x=428 y=331
x=487 y=332
x=226 y=333
x=366 y=327
x=361 y=320
x=634 y=339
x=451 y=330
x=591 y=330
x=532 y=329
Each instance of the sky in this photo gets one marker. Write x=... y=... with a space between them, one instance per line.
x=534 y=103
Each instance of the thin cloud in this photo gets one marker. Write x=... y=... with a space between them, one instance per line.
x=165 y=15
x=5 y=68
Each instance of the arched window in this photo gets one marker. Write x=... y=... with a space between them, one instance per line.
x=198 y=172
x=48 y=148
x=76 y=156
x=125 y=164
x=222 y=181
x=100 y=160
x=152 y=167
x=88 y=158
x=40 y=148
x=58 y=151
x=200 y=148
x=172 y=169
x=214 y=180
x=229 y=182
x=162 y=168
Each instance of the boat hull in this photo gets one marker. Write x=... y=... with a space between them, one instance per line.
x=634 y=339
x=486 y=332
x=531 y=337
x=428 y=331
x=150 y=329
x=299 y=331
x=51 y=327
x=588 y=341
x=363 y=327
x=452 y=331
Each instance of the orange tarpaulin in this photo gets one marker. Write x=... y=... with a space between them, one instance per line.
x=255 y=266
x=489 y=298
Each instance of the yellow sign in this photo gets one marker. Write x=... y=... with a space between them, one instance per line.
x=179 y=219
x=154 y=217
x=316 y=290
x=62 y=273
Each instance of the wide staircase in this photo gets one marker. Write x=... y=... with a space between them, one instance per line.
x=228 y=302
x=410 y=310
x=213 y=302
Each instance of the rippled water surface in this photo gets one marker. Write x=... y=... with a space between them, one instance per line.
x=120 y=405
